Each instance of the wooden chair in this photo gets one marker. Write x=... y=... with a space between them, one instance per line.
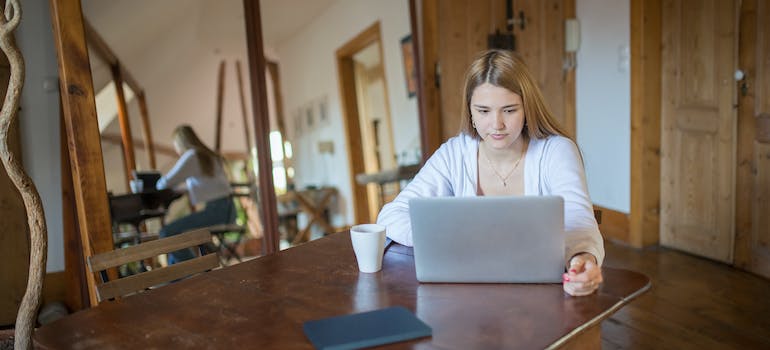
x=135 y=283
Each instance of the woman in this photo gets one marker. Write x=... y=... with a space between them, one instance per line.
x=202 y=171
x=509 y=144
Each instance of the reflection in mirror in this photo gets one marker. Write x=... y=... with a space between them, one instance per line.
x=181 y=62
x=339 y=98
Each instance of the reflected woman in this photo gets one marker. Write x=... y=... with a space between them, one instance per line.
x=202 y=172
x=509 y=145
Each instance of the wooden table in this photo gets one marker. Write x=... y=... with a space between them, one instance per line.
x=262 y=304
x=135 y=208
x=312 y=202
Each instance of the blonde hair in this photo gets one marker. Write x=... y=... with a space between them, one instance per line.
x=505 y=69
x=187 y=138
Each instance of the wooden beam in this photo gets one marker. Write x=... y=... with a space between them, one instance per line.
x=76 y=284
x=261 y=124
x=424 y=26
x=220 y=103
x=118 y=140
x=125 y=125
x=82 y=128
x=645 y=122
x=146 y=129
x=244 y=113
x=280 y=117
x=103 y=51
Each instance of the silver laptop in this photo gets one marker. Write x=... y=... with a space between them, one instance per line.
x=488 y=239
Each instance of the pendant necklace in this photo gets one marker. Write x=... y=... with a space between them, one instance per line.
x=503 y=179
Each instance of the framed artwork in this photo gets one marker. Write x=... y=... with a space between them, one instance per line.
x=309 y=116
x=297 y=120
x=323 y=111
x=407 y=51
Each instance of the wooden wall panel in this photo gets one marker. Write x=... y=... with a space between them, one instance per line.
x=760 y=237
x=698 y=119
x=752 y=204
x=763 y=58
x=645 y=122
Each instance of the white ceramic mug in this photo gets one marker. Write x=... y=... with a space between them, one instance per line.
x=368 y=244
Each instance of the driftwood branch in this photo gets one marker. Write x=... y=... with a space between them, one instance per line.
x=25 y=320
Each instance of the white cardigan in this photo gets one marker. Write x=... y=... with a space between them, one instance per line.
x=200 y=187
x=553 y=166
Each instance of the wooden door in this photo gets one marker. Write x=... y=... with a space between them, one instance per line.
x=752 y=251
x=463 y=27
x=541 y=44
x=698 y=127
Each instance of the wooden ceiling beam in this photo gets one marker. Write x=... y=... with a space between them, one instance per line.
x=103 y=51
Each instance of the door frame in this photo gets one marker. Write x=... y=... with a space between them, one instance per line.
x=350 y=115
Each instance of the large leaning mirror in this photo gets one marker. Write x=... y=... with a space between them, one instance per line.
x=343 y=110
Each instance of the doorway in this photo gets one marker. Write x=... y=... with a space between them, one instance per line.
x=366 y=114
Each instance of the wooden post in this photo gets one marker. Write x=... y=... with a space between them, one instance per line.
x=272 y=67
x=425 y=41
x=644 y=218
x=261 y=124
x=75 y=272
x=243 y=106
x=82 y=132
x=146 y=129
x=220 y=100
x=125 y=125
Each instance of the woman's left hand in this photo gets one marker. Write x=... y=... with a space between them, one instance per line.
x=584 y=275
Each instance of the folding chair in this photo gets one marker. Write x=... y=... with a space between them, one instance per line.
x=144 y=280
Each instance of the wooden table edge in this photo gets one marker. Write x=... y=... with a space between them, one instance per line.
x=596 y=321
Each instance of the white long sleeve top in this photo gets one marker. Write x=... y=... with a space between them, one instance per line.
x=552 y=166
x=200 y=187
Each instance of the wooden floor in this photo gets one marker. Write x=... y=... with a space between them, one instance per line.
x=694 y=303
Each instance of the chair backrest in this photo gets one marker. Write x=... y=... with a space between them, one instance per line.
x=144 y=280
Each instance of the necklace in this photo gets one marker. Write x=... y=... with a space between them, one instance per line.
x=503 y=179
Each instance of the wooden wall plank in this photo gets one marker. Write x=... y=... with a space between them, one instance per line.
x=424 y=21
x=82 y=131
x=752 y=236
x=645 y=122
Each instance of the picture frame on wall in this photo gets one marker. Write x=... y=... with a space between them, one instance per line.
x=309 y=116
x=323 y=111
x=407 y=51
x=298 y=122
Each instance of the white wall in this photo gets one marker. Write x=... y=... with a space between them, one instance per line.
x=39 y=120
x=604 y=99
x=308 y=72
